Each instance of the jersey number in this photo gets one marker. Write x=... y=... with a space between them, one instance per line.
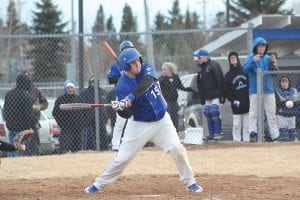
x=155 y=91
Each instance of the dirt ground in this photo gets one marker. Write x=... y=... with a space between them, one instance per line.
x=225 y=170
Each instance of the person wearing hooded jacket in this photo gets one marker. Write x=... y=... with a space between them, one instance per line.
x=236 y=91
x=18 y=109
x=71 y=122
x=210 y=85
x=286 y=116
x=89 y=138
x=40 y=103
x=259 y=59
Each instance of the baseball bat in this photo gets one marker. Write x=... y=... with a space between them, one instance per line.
x=81 y=106
x=110 y=50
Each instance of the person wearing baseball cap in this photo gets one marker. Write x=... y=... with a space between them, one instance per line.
x=210 y=85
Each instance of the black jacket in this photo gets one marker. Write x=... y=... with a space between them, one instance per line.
x=68 y=119
x=210 y=81
x=169 y=86
x=236 y=87
x=18 y=106
x=88 y=96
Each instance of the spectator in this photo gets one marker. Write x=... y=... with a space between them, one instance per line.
x=18 y=109
x=210 y=84
x=286 y=119
x=39 y=103
x=113 y=75
x=260 y=60
x=236 y=91
x=89 y=138
x=169 y=83
x=71 y=122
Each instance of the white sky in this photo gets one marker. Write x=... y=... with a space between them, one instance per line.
x=115 y=8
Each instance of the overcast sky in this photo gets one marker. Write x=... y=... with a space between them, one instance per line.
x=115 y=8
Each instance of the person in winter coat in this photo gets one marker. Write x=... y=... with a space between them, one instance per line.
x=71 y=122
x=89 y=138
x=286 y=116
x=259 y=59
x=236 y=91
x=170 y=83
x=39 y=103
x=18 y=109
x=210 y=84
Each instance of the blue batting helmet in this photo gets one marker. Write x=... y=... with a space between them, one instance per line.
x=126 y=44
x=127 y=56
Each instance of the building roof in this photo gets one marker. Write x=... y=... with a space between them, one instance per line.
x=235 y=39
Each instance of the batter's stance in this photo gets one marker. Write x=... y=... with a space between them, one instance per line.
x=140 y=100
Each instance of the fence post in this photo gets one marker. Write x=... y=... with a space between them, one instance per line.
x=250 y=37
x=260 y=110
x=96 y=88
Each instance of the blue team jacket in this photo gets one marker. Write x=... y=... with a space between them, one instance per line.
x=250 y=67
x=151 y=106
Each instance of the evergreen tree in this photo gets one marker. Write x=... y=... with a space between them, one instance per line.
x=13 y=47
x=49 y=54
x=176 y=19
x=244 y=10
x=160 y=22
x=110 y=28
x=128 y=24
x=99 y=23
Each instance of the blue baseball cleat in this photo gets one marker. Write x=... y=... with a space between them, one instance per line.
x=195 y=187
x=92 y=189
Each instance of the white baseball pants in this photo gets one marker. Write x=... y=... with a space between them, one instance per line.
x=269 y=106
x=117 y=132
x=163 y=134
x=240 y=125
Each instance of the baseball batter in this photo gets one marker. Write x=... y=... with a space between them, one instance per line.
x=140 y=100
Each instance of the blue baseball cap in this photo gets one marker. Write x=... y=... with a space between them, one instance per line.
x=201 y=53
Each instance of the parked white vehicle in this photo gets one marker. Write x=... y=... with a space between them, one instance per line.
x=46 y=138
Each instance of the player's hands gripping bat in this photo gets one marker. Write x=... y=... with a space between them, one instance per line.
x=21 y=138
x=121 y=105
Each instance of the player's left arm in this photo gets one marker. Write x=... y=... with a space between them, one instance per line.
x=149 y=76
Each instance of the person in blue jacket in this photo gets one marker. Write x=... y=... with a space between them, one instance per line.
x=260 y=59
x=139 y=98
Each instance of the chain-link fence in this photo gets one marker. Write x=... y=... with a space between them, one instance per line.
x=287 y=90
x=52 y=59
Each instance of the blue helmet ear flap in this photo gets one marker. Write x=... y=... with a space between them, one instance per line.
x=127 y=67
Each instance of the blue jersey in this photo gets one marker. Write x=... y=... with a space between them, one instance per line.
x=116 y=70
x=149 y=107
